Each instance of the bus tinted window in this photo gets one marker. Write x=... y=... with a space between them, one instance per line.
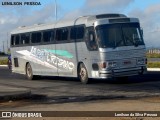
x=15 y=40
x=48 y=36
x=62 y=34
x=77 y=32
x=73 y=33
x=25 y=38
x=36 y=37
x=80 y=32
x=12 y=40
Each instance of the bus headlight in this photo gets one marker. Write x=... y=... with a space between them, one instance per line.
x=108 y=65
x=103 y=65
x=141 y=61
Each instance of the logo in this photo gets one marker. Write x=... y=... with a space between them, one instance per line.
x=57 y=59
x=6 y=115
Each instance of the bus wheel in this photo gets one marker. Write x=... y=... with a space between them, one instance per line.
x=82 y=74
x=29 y=72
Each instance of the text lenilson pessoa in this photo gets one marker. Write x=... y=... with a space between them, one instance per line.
x=21 y=3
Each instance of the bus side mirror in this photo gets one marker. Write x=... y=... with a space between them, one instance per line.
x=142 y=31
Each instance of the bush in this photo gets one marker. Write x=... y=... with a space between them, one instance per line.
x=2 y=53
x=4 y=62
x=153 y=65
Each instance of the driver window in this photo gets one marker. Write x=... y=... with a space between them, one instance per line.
x=91 y=39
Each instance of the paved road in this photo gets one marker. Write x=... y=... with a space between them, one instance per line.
x=71 y=89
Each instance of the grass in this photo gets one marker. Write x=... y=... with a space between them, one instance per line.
x=153 y=65
x=3 y=61
x=154 y=55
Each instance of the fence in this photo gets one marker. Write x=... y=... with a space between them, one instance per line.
x=153 y=51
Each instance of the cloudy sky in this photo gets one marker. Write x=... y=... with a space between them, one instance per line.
x=148 y=11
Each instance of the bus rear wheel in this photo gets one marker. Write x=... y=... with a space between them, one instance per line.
x=83 y=74
x=29 y=72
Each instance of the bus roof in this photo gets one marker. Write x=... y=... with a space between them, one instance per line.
x=87 y=20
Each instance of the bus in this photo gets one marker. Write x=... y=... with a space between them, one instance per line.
x=96 y=46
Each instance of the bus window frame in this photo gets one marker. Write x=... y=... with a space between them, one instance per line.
x=53 y=41
x=21 y=44
x=14 y=40
x=90 y=30
x=62 y=41
x=78 y=40
x=52 y=37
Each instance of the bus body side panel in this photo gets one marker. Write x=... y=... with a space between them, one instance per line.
x=46 y=60
x=74 y=53
x=67 y=59
x=38 y=57
x=87 y=57
x=18 y=64
x=94 y=64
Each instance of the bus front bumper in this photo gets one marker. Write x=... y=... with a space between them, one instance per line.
x=122 y=72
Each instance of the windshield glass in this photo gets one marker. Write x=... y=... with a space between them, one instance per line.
x=116 y=35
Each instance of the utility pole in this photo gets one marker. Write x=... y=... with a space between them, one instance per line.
x=56 y=10
x=3 y=47
x=7 y=40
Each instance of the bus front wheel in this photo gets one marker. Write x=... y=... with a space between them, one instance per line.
x=83 y=74
x=29 y=72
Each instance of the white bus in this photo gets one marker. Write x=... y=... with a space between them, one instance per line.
x=99 y=46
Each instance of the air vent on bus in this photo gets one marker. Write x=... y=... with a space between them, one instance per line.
x=110 y=16
x=120 y=20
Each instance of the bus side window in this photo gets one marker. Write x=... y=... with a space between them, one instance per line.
x=48 y=36
x=77 y=32
x=73 y=33
x=36 y=37
x=65 y=34
x=25 y=38
x=80 y=32
x=12 y=40
x=16 y=40
x=62 y=34
x=52 y=35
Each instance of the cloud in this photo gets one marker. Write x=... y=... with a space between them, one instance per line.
x=112 y=5
x=12 y=17
x=149 y=19
x=100 y=6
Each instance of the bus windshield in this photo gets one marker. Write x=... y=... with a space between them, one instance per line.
x=117 y=35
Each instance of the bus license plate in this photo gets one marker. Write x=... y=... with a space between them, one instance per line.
x=128 y=62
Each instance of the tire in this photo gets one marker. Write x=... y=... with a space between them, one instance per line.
x=29 y=73
x=83 y=74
